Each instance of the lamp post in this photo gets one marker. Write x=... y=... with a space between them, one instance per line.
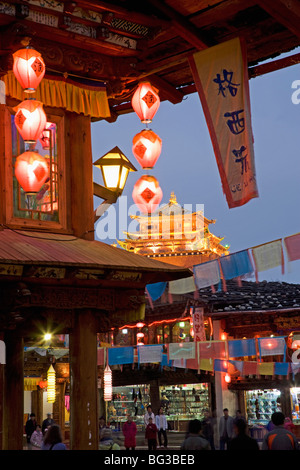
x=115 y=168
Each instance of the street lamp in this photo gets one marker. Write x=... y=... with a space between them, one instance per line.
x=115 y=168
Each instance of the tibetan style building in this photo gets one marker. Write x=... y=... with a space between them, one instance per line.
x=53 y=274
x=175 y=235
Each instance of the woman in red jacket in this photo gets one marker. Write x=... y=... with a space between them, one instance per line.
x=129 y=431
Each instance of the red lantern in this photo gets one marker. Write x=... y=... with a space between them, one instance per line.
x=43 y=384
x=227 y=378
x=29 y=69
x=146 y=148
x=147 y=193
x=30 y=120
x=45 y=135
x=145 y=101
x=31 y=171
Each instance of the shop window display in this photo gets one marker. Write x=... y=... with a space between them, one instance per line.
x=295 y=403
x=128 y=399
x=182 y=403
x=261 y=404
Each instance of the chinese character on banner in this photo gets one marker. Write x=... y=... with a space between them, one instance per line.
x=198 y=325
x=221 y=79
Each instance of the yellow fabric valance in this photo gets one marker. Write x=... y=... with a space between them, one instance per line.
x=31 y=383
x=61 y=94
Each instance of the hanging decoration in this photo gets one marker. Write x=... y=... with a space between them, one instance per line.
x=30 y=120
x=31 y=171
x=29 y=68
x=45 y=136
x=145 y=102
x=107 y=383
x=146 y=148
x=51 y=387
x=147 y=194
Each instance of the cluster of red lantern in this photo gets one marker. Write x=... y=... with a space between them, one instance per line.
x=146 y=148
x=31 y=169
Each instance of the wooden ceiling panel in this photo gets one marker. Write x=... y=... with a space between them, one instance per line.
x=153 y=38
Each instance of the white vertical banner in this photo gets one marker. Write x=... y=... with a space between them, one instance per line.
x=198 y=325
x=2 y=353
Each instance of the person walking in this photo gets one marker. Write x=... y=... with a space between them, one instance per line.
x=53 y=439
x=149 y=414
x=225 y=429
x=47 y=423
x=242 y=441
x=162 y=426
x=106 y=440
x=30 y=427
x=279 y=438
x=129 y=432
x=194 y=441
x=37 y=437
x=207 y=426
x=151 y=435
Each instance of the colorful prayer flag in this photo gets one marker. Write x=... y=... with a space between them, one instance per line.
x=292 y=245
x=123 y=355
x=236 y=264
x=268 y=256
x=265 y=368
x=241 y=348
x=272 y=346
x=182 y=286
x=221 y=78
x=206 y=274
x=182 y=351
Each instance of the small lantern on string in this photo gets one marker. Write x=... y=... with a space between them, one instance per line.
x=30 y=120
x=145 y=102
x=51 y=387
x=28 y=68
x=107 y=383
x=147 y=194
x=227 y=378
x=146 y=148
x=31 y=171
x=46 y=135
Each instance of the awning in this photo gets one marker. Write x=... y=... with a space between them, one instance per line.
x=85 y=97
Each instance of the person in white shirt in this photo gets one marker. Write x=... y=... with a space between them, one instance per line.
x=149 y=414
x=162 y=426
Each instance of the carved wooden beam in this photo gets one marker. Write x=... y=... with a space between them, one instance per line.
x=286 y=13
x=184 y=27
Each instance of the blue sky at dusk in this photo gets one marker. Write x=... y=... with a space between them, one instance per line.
x=188 y=167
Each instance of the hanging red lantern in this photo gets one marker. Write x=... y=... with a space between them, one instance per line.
x=30 y=120
x=145 y=101
x=147 y=193
x=31 y=171
x=43 y=384
x=146 y=148
x=29 y=68
x=45 y=137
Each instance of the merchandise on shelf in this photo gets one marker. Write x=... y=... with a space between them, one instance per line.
x=128 y=400
x=185 y=402
x=261 y=404
x=295 y=403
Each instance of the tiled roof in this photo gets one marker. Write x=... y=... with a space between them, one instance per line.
x=252 y=296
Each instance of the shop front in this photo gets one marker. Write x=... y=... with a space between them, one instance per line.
x=181 y=403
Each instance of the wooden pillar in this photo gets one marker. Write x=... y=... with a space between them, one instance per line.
x=80 y=180
x=154 y=396
x=59 y=407
x=83 y=378
x=13 y=412
x=37 y=405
